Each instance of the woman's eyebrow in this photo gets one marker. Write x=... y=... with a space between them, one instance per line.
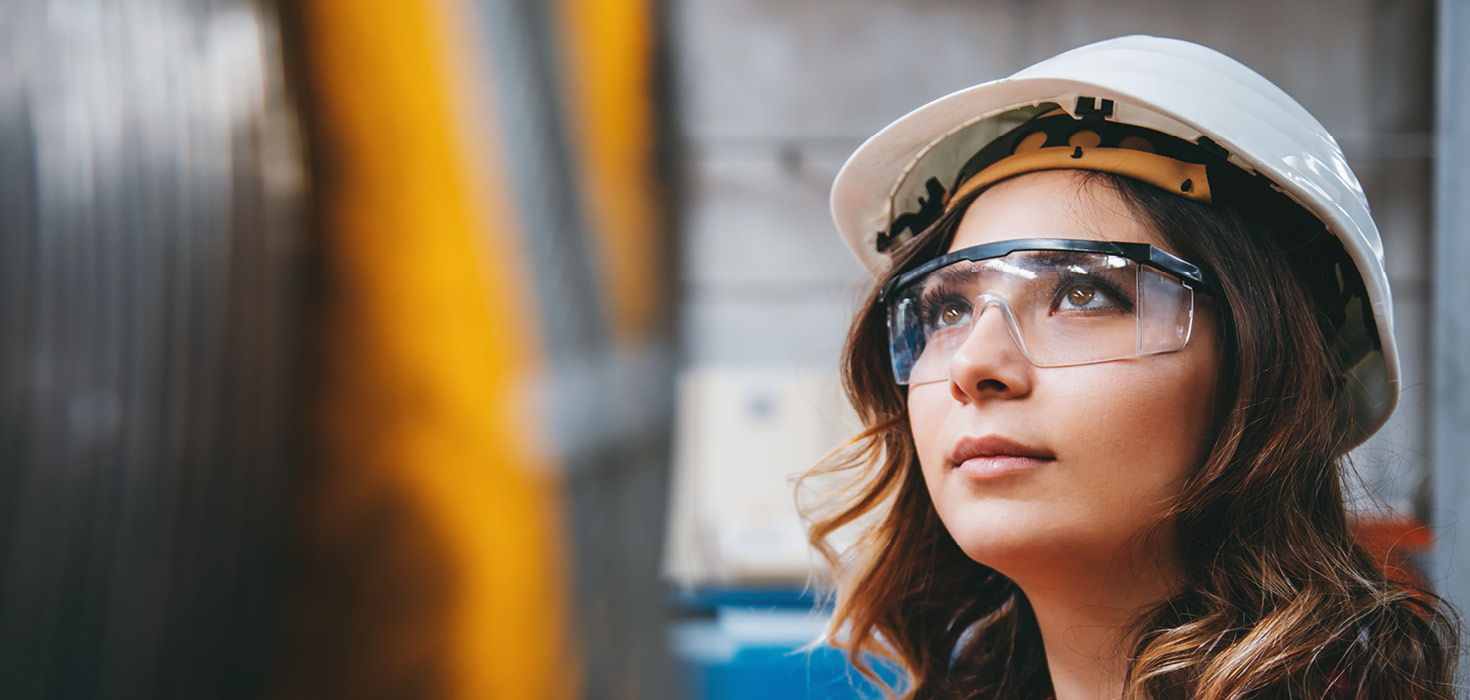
x=963 y=272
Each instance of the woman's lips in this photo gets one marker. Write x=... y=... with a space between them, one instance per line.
x=991 y=467
x=993 y=456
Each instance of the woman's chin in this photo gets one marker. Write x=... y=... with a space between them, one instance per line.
x=1015 y=539
x=1003 y=552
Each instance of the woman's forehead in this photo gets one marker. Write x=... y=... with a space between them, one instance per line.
x=1051 y=204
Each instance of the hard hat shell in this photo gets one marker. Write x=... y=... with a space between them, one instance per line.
x=1173 y=86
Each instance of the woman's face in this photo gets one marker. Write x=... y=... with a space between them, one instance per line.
x=1110 y=443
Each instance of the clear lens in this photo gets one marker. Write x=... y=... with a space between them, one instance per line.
x=1060 y=307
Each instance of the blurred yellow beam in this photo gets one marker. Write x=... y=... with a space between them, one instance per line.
x=433 y=528
x=607 y=46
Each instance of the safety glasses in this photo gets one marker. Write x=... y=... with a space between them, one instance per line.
x=1064 y=302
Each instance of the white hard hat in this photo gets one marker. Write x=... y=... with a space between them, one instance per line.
x=1171 y=86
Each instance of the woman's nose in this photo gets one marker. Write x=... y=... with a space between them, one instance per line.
x=989 y=363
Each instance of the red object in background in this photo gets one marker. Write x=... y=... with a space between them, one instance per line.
x=1393 y=540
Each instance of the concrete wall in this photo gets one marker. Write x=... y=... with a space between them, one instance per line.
x=1449 y=424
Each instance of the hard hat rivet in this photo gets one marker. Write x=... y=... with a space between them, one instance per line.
x=1077 y=152
x=1186 y=186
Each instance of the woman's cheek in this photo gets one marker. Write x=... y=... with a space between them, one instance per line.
x=927 y=416
x=1138 y=429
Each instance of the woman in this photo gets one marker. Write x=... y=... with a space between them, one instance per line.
x=1130 y=313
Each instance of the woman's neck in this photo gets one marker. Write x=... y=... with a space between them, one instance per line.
x=1088 y=622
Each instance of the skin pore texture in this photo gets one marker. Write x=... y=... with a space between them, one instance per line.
x=1072 y=532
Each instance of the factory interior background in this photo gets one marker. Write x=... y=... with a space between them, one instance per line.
x=469 y=348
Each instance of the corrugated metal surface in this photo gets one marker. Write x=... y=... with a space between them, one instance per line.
x=151 y=197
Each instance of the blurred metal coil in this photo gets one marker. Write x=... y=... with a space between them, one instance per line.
x=150 y=242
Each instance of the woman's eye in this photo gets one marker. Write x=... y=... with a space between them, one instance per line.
x=951 y=314
x=1082 y=297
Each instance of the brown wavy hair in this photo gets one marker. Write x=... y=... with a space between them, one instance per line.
x=1279 y=599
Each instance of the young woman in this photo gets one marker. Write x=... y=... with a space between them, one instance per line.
x=1130 y=312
